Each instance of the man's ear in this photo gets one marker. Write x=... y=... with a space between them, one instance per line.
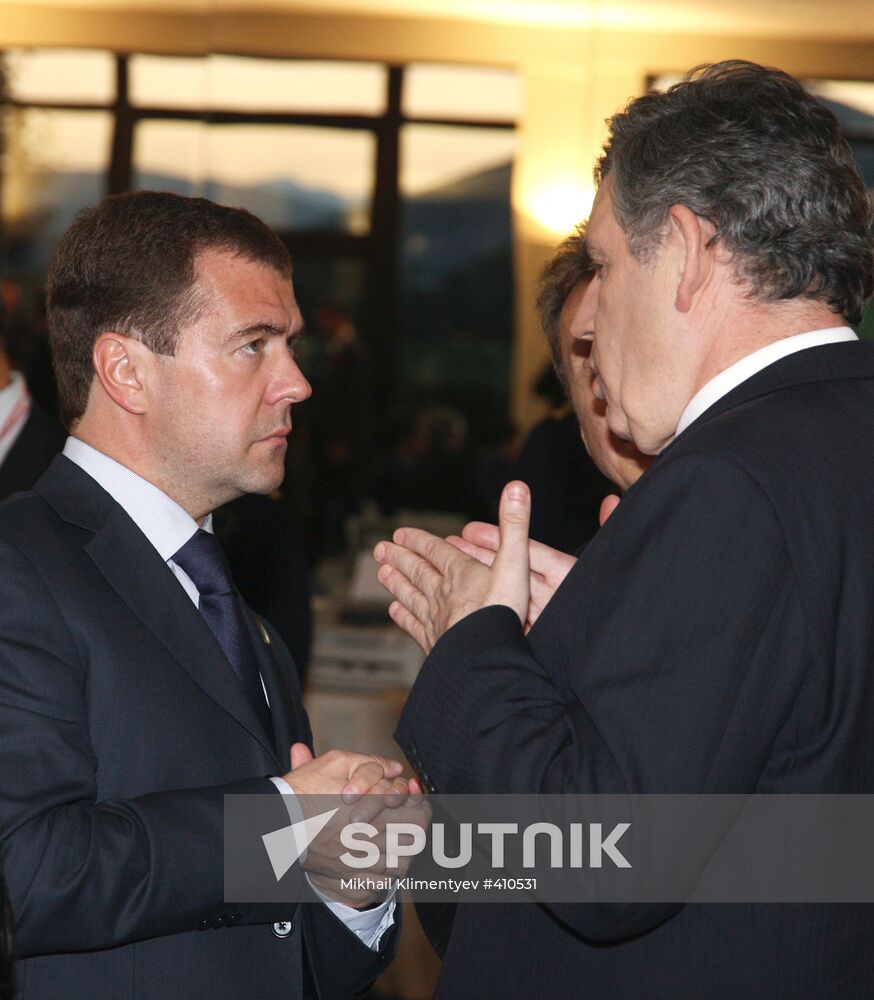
x=697 y=258
x=122 y=365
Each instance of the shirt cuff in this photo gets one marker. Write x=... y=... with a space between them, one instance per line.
x=367 y=925
x=295 y=815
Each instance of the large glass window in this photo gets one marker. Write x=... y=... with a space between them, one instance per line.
x=456 y=265
x=63 y=75
x=54 y=165
x=403 y=171
x=238 y=83
x=389 y=185
x=455 y=315
x=293 y=177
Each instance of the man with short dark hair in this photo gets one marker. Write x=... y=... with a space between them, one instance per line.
x=716 y=635
x=136 y=688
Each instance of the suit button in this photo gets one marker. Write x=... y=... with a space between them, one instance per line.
x=204 y=924
x=220 y=920
x=233 y=918
x=282 y=928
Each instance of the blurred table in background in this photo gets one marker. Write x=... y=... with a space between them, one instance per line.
x=359 y=678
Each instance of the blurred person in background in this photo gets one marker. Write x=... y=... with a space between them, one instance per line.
x=29 y=438
x=341 y=424
x=567 y=485
x=428 y=464
x=567 y=304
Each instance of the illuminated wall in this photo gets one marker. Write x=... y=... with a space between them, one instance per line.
x=574 y=77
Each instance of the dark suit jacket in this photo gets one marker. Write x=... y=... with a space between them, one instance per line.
x=717 y=635
x=122 y=727
x=39 y=441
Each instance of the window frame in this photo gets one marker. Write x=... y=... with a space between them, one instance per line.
x=378 y=249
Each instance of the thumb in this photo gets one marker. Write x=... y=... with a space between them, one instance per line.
x=510 y=584
x=300 y=754
x=514 y=515
x=608 y=505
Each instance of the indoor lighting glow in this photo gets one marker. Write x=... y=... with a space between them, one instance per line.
x=561 y=207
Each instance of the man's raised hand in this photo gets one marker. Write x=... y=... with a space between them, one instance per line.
x=548 y=567
x=434 y=584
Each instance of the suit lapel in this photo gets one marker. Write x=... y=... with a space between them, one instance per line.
x=827 y=363
x=133 y=568
x=830 y=362
x=287 y=727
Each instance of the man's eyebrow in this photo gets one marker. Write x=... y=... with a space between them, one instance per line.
x=265 y=329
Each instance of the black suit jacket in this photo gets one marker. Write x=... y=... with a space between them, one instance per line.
x=39 y=441
x=122 y=727
x=716 y=636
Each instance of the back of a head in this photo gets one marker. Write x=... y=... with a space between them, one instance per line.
x=128 y=265
x=748 y=149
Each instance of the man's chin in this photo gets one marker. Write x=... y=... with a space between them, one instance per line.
x=618 y=424
x=265 y=479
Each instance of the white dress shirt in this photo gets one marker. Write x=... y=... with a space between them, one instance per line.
x=168 y=527
x=14 y=410
x=722 y=384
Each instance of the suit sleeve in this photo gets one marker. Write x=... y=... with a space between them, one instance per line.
x=343 y=966
x=83 y=874
x=667 y=662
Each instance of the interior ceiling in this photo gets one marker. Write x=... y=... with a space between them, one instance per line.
x=808 y=18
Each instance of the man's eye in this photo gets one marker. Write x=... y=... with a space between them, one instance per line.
x=291 y=345
x=252 y=347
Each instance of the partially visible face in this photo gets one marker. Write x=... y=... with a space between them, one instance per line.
x=642 y=369
x=222 y=403
x=619 y=460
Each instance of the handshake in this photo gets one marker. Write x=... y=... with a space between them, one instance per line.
x=367 y=789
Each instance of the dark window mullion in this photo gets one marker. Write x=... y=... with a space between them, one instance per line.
x=382 y=291
x=121 y=155
x=219 y=117
x=505 y=124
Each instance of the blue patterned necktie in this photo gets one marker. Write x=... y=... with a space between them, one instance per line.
x=202 y=558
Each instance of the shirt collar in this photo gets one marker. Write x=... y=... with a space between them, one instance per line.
x=11 y=394
x=722 y=384
x=166 y=525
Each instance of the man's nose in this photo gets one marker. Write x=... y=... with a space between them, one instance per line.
x=290 y=383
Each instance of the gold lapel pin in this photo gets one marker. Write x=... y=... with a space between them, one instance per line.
x=264 y=633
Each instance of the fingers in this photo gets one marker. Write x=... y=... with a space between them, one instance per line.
x=400 y=588
x=391 y=768
x=418 y=570
x=410 y=624
x=551 y=564
x=368 y=774
x=434 y=550
x=479 y=552
x=487 y=536
x=482 y=541
x=608 y=505
x=300 y=754
x=385 y=794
